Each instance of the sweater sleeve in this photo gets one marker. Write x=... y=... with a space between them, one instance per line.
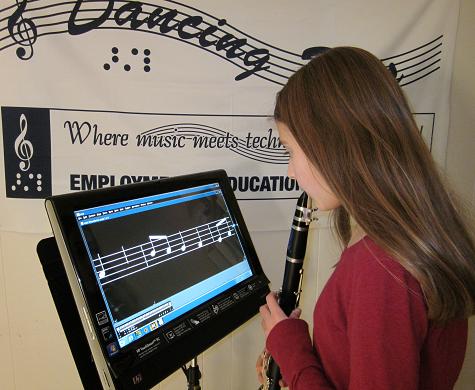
x=290 y=345
x=387 y=325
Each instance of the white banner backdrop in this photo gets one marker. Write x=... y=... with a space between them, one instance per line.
x=100 y=93
x=96 y=93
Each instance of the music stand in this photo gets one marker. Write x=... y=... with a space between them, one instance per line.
x=55 y=274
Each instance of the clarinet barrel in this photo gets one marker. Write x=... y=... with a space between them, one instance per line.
x=291 y=284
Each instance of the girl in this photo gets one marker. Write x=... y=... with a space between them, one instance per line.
x=394 y=313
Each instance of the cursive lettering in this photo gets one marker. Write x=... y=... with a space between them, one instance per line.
x=131 y=13
x=77 y=29
x=76 y=131
x=81 y=132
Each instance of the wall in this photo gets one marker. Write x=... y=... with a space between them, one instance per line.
x=460 y=165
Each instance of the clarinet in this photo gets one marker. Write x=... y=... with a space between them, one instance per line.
x=291 y=285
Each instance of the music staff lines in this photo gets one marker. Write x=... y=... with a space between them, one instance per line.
x=159 y=249
x=287 y=65
x=279 y=65
x=416 y=64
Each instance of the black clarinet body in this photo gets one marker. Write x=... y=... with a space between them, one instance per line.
x=292 y=281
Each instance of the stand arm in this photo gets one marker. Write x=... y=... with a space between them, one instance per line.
x=193 y=375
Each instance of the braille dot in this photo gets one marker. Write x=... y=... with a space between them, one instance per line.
x=18 y=175
x=31 y=176
x=38 y=188
x=13 y=188
x=38 y=176
x=38 y=182
x=146 y=68
x=18 y=182
x=127 y=67
x=146 y=60
x=115 y=50
x=146 y=52
x=135 y=51
x=115 y=59
x=26 y=188
x=107 y=66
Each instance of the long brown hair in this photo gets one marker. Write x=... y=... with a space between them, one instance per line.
x=353 y=122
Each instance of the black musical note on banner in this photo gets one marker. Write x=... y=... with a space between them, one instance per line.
x=392 y=68
x=311 y=52
x=23 y=31
x=23 y=148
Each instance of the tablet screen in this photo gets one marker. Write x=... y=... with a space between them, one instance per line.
x=157 y=257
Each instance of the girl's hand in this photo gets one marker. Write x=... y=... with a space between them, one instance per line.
x=272 y=314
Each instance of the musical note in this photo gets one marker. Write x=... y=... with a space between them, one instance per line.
x=183 y=247
x=153 y=252
x=102 y=273
x=200 y=242
x=23 y=31
x=392 y=68
x=126 y=262
x=23 y=148
x=220 y=238
x=230 y=231
x=311 y=52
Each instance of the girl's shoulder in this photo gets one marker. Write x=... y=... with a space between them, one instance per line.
x=367 y=263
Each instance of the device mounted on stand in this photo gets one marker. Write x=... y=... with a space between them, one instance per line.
x=159 y=272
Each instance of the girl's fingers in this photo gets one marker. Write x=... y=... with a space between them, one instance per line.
x=295 y=313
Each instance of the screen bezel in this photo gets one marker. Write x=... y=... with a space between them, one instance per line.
x=66 y=205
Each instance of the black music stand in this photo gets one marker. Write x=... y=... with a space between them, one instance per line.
x=55 y=274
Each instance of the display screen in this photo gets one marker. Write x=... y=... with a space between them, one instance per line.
x=157 y=257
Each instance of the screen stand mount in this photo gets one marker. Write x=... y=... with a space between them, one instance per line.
x=193 y=375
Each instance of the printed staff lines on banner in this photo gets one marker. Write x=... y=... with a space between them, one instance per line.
x=159 y=249
x=271 y=155
x=257 y=58
x=416 y=64
x=229 y=55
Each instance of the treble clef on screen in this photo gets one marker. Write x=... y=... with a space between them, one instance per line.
x=23 y=148
x=23 y=31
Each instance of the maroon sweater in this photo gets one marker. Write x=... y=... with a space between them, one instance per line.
x=370 y=332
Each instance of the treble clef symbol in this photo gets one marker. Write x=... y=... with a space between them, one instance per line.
x=23 y=148
x=23 y=31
